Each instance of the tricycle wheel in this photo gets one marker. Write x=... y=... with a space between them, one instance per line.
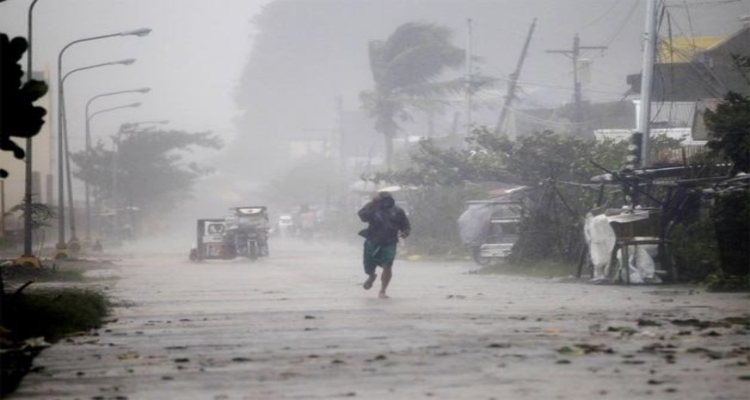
x=252 y=250
x=476 y=254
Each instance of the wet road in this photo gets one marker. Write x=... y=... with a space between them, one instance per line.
x=298 y=325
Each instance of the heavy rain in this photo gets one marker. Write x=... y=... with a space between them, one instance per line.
x=315 y=199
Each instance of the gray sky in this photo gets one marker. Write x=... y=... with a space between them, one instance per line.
x=191 y=60
x=315 y=50
x=194 y=57
x=311 y=52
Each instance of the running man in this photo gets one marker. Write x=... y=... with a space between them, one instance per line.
x=386 y=223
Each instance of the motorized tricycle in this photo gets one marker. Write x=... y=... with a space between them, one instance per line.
x=244 y=233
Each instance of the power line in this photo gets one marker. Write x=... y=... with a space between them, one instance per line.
x=624 y=22
x=604 y=14
x=690 y=24
x=703 y=3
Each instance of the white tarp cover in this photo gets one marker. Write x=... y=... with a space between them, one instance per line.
x=600 y=237
x=601 y=240
x=641 y=263
x=474 y=224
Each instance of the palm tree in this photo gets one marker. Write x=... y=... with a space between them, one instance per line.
x=404 y=69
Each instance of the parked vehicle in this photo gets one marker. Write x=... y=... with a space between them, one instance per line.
x=489 y=228
x=242 y=234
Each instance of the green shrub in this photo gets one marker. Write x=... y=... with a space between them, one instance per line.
x=433 y=213
x=695 y=251
x=731 y=218
x=720 y=282
x=53 y=314
x=544 y=268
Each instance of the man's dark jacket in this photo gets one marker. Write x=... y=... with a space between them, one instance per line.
x=385 y=220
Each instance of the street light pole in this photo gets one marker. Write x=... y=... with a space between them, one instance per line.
x=74 y=244
x=88 y=149
x=60 y=155
x=64 y=120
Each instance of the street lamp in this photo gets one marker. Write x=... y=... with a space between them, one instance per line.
x=88 y=123
x=133 y=125
x=64 y=126
x=88 y=147
x=60 y=178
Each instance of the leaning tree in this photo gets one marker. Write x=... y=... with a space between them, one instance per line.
x=405 y=68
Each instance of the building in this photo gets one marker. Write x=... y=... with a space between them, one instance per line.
x=699 y=69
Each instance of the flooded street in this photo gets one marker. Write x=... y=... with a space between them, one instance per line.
x=299 y=325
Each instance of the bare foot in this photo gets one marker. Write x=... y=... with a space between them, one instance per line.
x=368 y=283
x=382 y=295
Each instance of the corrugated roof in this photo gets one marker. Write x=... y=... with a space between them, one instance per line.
x=676 y=114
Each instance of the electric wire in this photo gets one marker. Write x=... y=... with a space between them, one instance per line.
x=690 y=24
x=604 y=14
x=627 y=19
x=704 y=3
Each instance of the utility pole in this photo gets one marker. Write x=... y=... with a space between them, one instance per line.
x=337 y=134
x=469 y=86
x=649 y=54
x=514 y=81
x=28 y=253
x=575 y=55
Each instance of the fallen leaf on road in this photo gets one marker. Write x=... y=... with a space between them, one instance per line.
x=700 y=324
x=714 y=355
x=585 y=348
x=624 y=330
x=744 y=320
x=573 y=351
x=128 y=356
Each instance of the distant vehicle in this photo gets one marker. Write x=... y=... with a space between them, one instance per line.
x=285 y=225
x=242 y=234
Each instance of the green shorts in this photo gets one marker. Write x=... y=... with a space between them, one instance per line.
x=376 y=255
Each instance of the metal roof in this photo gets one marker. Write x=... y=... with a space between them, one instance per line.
x=675 y=114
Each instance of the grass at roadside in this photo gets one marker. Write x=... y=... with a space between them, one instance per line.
x=541 y=268
x=48 y=313
x=53 y=313
x=27 y=273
